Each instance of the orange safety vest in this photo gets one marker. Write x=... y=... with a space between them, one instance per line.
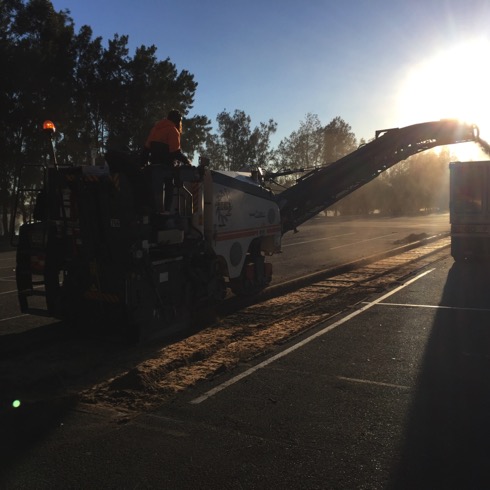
x=165 y=131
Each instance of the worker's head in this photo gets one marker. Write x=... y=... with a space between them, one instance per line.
x=176 y=117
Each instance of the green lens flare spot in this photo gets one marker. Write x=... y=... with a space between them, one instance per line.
x=16 y=403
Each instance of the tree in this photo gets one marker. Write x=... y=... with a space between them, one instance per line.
x=97 y=96
x=303 y=148
x=35 y=40
x=196 y=131
x=260 y=142
x=313 y=145
x=236 y=145
x=150 y=89
x=338 y=140
x=83 y=126
x=8 y=9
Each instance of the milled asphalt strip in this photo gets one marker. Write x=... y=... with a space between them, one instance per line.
x=284 y=353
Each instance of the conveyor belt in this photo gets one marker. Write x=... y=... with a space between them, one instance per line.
x=324 y=186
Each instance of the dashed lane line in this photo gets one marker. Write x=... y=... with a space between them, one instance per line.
x=370 y=382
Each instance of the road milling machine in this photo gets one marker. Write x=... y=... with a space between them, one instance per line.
x=98 y=252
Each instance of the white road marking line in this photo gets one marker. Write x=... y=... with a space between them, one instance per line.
x=316 y=240
x=284 y=353
x=436 y=307
x=369 y=382
x=16 y=291
x=13 y=317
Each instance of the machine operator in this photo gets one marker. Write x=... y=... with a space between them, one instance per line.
x=163 y=147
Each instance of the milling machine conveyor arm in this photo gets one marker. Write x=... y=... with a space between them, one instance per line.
x=324 y=186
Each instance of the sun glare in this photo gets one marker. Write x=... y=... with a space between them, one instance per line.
x=454 y=83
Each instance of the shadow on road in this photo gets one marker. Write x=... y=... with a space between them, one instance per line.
x=447 y=437
x=39 y=369
x=44 y=370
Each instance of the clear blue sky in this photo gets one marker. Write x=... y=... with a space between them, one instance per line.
x=375 y=63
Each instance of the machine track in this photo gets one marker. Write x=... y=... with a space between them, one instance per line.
x=42 y=368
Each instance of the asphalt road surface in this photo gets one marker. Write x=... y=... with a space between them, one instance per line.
x=393 y=394
x=326 y=242
x=323 y=242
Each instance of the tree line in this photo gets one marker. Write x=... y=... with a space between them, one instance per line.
x=101 y=96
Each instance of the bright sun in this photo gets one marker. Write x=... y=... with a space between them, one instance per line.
x=454 y=83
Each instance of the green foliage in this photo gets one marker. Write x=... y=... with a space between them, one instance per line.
x=35 y=46
x=98 y=96
x=314 y=145
x=419 y=183
x=236 y=145
x=303 y=148
x=338 y=140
